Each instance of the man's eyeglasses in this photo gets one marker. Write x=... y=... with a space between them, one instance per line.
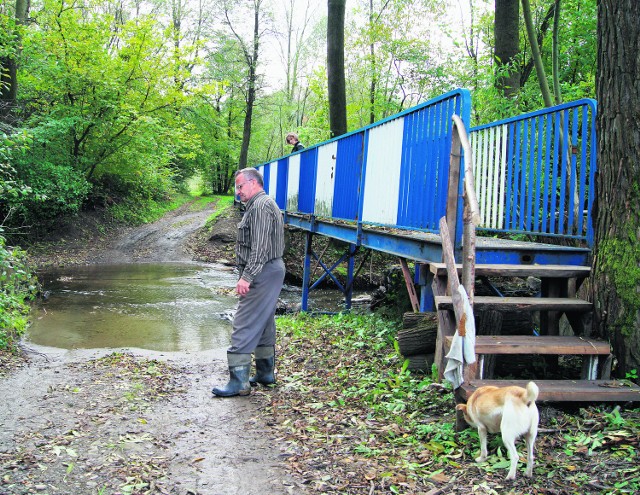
x=240 y=186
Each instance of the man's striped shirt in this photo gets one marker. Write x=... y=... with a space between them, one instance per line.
x=260 y=235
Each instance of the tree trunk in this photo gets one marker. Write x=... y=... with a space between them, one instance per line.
x=250 y=52
x=616 y=261
x=335 y=68
x=555 y=72
x=535 y=54
x=506 y=32
x=9 y=68
x=374 y=72
x=544 y=27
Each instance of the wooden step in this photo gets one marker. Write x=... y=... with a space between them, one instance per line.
x=521 y=303
x=531 y=344
x=498 y=270
x=567 y=390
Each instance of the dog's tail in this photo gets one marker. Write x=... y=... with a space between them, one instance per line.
x=532 y=393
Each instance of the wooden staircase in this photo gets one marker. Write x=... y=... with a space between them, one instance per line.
x=559 y=285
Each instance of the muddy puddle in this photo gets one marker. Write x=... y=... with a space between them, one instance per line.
x=167 y=307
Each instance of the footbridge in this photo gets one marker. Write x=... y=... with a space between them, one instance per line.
x=385 y=187
x=518 y=192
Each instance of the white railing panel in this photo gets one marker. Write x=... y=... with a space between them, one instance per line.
x=293 y=183
x=273 y=179
x=382 y=182
x=325 y=178
x=489 y=170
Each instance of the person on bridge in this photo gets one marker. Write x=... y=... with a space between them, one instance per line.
x=292 y=139
x=259 y=250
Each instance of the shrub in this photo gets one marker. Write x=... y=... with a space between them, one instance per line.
x=58 y=190
x=17 y=286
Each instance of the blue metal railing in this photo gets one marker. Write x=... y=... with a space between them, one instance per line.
x=535 y=173
x=392 y=173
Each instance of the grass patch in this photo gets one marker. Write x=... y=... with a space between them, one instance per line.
x=222 y=205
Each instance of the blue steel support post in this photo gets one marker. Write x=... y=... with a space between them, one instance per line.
x=349 y=287
x=424 y=278
x=306 y=276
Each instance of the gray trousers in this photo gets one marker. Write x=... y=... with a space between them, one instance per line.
x=254 y=323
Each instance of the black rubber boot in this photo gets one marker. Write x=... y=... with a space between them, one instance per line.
x=239 y=370
x=265 y=365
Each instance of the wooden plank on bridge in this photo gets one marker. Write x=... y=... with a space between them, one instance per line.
x=500 y=270
x=521 y=303
x=567 y=390
x=530 y=344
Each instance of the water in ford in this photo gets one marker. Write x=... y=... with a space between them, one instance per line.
x=164 y=307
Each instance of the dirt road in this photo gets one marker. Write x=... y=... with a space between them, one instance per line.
x=164 y=240
x=109 y=422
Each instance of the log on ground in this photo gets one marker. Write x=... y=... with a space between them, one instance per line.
x=419 y=334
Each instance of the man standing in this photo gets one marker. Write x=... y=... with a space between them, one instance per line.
x=259 y=250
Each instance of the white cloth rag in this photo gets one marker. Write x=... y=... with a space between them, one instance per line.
x=463 y=349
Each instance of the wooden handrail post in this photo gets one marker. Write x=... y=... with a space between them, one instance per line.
x=452 y=273
x=471 y=212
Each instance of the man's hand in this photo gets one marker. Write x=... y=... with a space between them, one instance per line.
x=242 y=287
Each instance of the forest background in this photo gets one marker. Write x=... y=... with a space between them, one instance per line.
x=120 y=104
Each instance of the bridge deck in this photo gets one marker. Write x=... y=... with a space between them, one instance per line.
x=427 y=247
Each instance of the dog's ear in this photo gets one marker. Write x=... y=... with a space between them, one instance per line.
x=461 y=407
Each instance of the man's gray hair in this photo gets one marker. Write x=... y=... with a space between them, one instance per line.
x=251 y=173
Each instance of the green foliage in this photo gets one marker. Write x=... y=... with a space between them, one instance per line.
x=220 y=136
x=12 y=191
x=9 y=40
x=17 y=286
x=17 y=283
x=36 y=193
x=223 y=203
x=472 y=65
x=578 y=48
x=391 y=66
x=120 y=191
x=58 y=191
x=102 y=107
